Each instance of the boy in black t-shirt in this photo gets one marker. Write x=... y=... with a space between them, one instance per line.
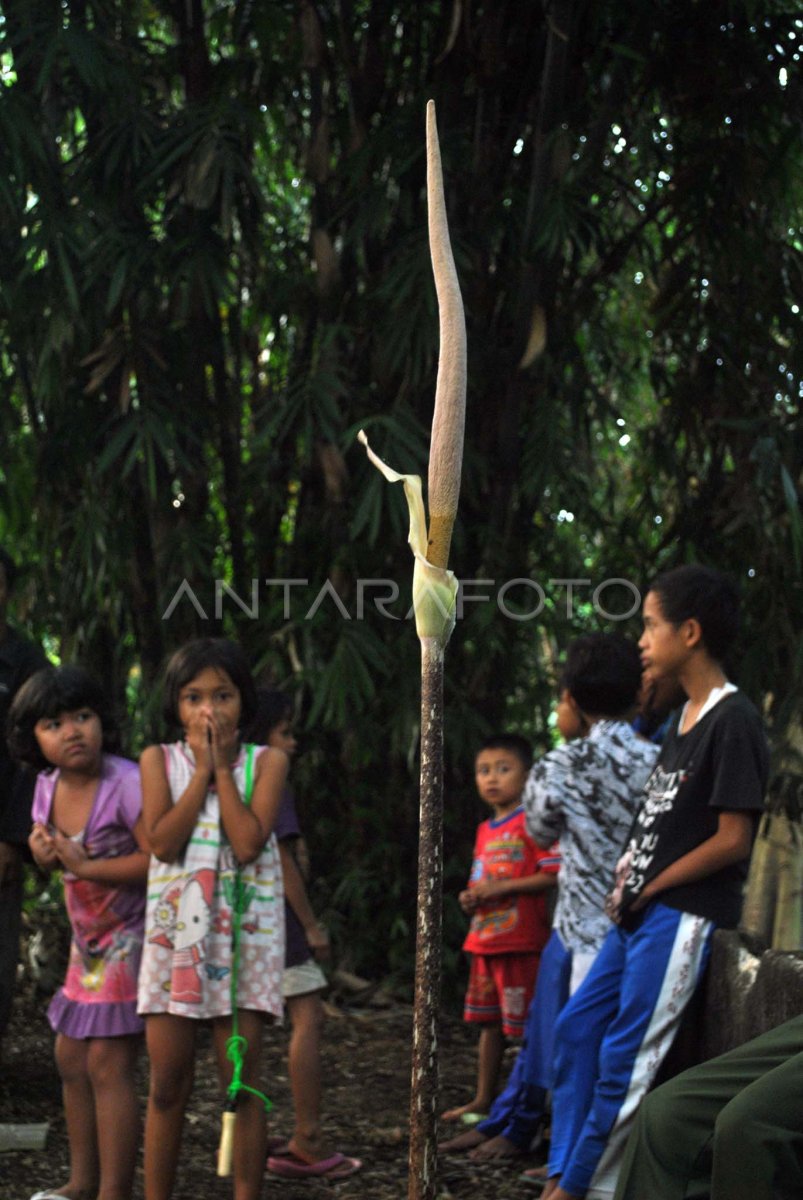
x=680 y=878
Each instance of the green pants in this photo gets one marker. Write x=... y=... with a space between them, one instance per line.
x=731 y=1128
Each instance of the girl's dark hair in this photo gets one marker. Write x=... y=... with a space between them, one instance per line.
x=272 y=708
x=603 y=673
x=514 y=743
x=705 y=595
x=51 y=691
x=221 y=655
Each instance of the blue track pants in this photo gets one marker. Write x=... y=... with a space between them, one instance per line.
x=611 y=1038
x=517 y=1111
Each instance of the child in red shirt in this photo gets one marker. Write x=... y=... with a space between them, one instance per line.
x=506 y=898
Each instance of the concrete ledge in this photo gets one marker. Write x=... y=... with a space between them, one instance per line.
x=748 y=992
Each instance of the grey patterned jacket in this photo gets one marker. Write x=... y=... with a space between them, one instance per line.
x=585 y=794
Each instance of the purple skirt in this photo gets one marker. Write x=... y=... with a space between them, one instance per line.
x=79 y=1019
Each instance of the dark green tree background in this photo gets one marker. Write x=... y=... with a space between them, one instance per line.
x=215 y=270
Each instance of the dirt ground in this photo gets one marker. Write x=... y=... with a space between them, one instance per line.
x=366 y=1074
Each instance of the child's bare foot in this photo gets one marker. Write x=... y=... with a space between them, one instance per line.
x=309 y=1150
x=553 y=1190
x=480 y=1107
x=464 y=1141
x=496 y=1147
x=537 y=1175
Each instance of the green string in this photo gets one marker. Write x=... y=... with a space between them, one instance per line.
x=236 y=1046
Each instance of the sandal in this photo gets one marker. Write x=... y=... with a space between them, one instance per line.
x=290 y=1166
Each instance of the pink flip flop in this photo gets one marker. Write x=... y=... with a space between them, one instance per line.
x=290 y=1166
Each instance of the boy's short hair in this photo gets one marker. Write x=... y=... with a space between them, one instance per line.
x=603 y=674
x=10 y=568
x=706 y=596
x=47 y=693
x=220 y=654
x=514 y=743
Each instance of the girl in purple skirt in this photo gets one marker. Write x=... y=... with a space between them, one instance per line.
x=87 y=822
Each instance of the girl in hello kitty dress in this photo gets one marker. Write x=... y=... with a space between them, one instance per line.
x=201 y=828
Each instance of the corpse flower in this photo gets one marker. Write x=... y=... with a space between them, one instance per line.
x=434 y=603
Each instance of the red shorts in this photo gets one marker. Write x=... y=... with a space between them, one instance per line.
x=500 y=987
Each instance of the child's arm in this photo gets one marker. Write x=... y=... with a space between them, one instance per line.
x=248 y=827
x=43 y=848
x=301 y=856
x=168 y=826
x=730 y=844
x=296 y=896
x=468 y=899
x=492 y=889
x=126 y=869
x=543 y=796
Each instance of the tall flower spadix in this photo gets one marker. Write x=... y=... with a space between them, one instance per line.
x=435 y=587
